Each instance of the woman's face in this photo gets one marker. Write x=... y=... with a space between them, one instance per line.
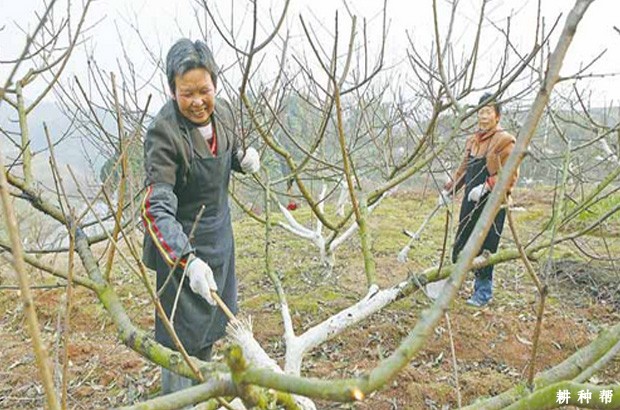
x=487 y=118
x=195 y=95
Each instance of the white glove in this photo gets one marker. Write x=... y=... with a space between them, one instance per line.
x=444 y=198
x=478 y=192
x=250 y=162
x=201 y=279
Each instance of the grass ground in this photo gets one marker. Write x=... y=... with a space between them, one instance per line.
x=492 y=345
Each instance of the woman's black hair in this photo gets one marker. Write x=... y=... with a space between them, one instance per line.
x=487 y=99
x=186 y=55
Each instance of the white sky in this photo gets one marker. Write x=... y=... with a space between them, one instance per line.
x=163 y=21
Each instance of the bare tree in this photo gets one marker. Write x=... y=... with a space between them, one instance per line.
x=355 y=143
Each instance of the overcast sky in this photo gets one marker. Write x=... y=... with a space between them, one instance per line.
x=162 y=21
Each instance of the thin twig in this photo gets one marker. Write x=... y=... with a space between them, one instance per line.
x=185 y=248
x=29 y=40
x=154 y=297
x=447 y=316
x=455 y=365
x=67 y=326
x=542 y=292
x=46 y=287
x=122 y=183
x=26 y=296
x=358 y=204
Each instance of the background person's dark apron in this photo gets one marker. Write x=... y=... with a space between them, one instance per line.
x=476 y=174
x=197 y=323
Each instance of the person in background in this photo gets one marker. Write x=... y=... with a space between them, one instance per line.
x=189 y=151
x=486 y=152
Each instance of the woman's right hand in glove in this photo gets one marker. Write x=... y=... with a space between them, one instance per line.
x=201 y=279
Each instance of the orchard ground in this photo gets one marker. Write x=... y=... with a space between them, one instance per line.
x=492 y=345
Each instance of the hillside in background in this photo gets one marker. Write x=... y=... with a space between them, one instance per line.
x=71 y=148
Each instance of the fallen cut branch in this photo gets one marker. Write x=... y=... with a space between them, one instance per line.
x=402 y=255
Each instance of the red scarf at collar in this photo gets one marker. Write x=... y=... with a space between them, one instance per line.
x=483 y=135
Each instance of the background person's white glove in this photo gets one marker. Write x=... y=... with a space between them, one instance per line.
x=444 y=198
x=250 y=162
x=201 y=279
x=478 y=192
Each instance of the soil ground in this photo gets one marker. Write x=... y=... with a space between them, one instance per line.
x=492 y=345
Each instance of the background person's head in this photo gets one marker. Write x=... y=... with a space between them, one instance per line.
x=192 y=77
x=489 y=113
